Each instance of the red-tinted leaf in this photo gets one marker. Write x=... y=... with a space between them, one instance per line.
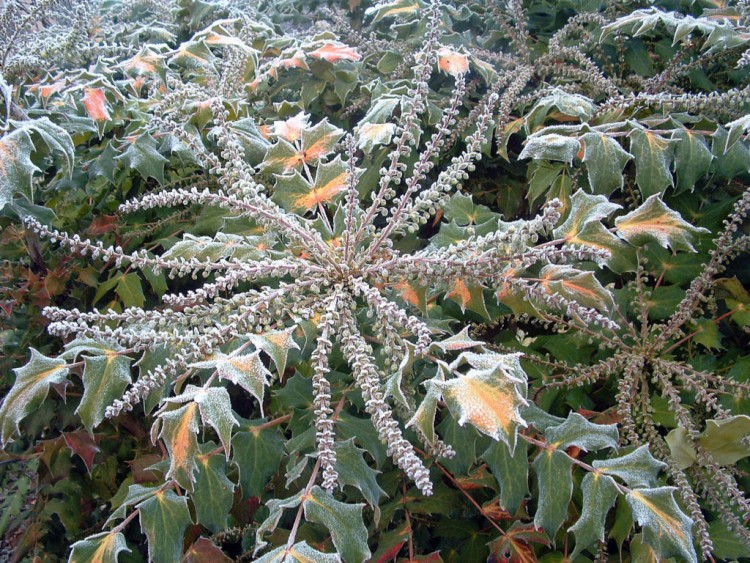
x=204 y=551
x=82 y=444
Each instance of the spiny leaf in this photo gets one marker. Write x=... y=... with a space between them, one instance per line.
x=394 y=8
x=599 y=494
x=638 y=468
x=550 y=146
x=135 y=494
x=204 y=551
x=344 y=522
x=579 y=432
x=576 y=285
x=692 y=158
x=164 y=519
x=452 y=62
x=460 y=341
x=489 y=398
x=584 y=209
x=653 y=220
x=29 y=391
x=567 y=103
x=298 y=553
x=258 y=454
x=99 y=548
x=334 y=52
x=369 y=135
x=423 y=419
x=213 y=492
x=653 y=156
x=604 y=159
x=276 y=344
x=555 y=481
x=511 y=469
x=96 y=104
x=178 y=430
x=468 y=297
x=665 y=528
x=723 y=439
x=297 y=194
x=353 y=470
x=142 y=155
x=246 y=370
x=105 y=377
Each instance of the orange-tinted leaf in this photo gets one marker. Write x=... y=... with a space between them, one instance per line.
x=96 y=104
x=452 y=62
x=333 y=52
x=178 y=430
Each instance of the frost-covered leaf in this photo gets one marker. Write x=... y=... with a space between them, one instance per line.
x=213 y=492
x=692 y=158
x=605 y=160
x=344 y=522
x=105 y=377
x=99 y=548
x=584 y=209
x=220 y=246
x=511 y=470
x=298 y=553
x=135 y=494
x=653 y=220
x=204 y=551
x=723 y=439
x=579 y=432
x=295 y=193
x=143 y=155
x=178 y=430
x=369 y=135
x=353 y=470
x=638 y=468
x=452 y=62
x=247 y=371
x=29 y=391
x=666 y=529
x=164 y=519
x=291 y=128
x=555 y=480
x=258 y=454
x=394 y=8
x=460 y=341
x=215 y=408
x=576 y=285
x=599 y=495
x=515 y=544
x=653 y=156
x=489 y=397
x=96 y=106
x=567 y=103
x=276 y=344
x=316 y=143
x=551 y=146
x=334 y=52
x=468 y=296
x=423 y=419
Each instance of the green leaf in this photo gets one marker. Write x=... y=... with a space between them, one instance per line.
x=105 y=377
x=511 y=470
x=681 y=448
x=130 y=290
x=724 y=439
x=298 y=553
x=570 y=104
x=576 y=285
x=653 y=220
x=653 y=156
x=29 y=391
x=258 y=454
x=296 y=194
x=164 y=519
x=638 y=468
x=729 y=164
x=394 y=8
x=213 y=492
x=692 y=158
x=462 y=209
x=665 y=528
x=247 y=371
x=343 y=521
x=584 y=209
x=579 y=432
x=142 y=155
x=276 y=344
x=555 y=479
x=726 y=543
x=423 y=419
x=135 y=494
x=550 y=146
x=370 y=135
x=353 y=470
x=488 y=396
x=605 y=160
x=599 y=494
x=178 y=430
x=99 y=548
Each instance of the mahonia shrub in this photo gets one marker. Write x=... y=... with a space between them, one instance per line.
x=393 y=280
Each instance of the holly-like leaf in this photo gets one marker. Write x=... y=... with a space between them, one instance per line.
x=295 y=193
x=258 y=454
x=638 y=468
x=653 y=220
x=276 y=344
x=468 y=297
x=164 y=519
x=604 y=159
x=82 y=444
x=452 y=62
x=550 y=146
x=599 y=495
x=394 y=8
x=692 y=158
x=344 y=522
x=317 y=143
x=511 y=469
x=725 y=439
x=653 y=157
x=178 y=430
x=369 y=135
x=515 y=544
x=334 y=52
x=666 y=529
x=576 y=285
x=142 y=155
x=353 y=470
x=96 y=106
x=567 y=103
x=99 y=548
x=555 y=482
x=584 y=209
x=213 y=492
x=460 y=341
x=29 y=391
x=105 y=377
x=298 y=553
x=204 y=551
x=489 y=398
x=423 y=419
x=247 y=371
x=579 y=432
